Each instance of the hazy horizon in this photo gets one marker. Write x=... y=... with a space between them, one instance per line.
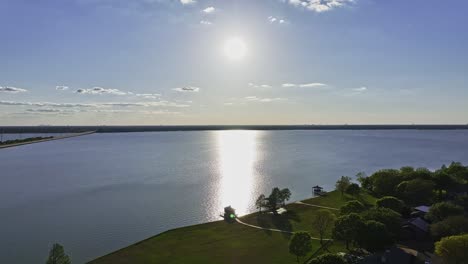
x=246 y=62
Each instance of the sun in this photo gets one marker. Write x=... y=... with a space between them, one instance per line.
x=235 y=48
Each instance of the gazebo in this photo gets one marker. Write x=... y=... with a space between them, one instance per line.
x=317 y=189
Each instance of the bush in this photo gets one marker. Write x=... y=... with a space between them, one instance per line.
x=452 y=225
x=392 y=203
x=453 y=249
x=328 y=259
x=440 y=211
x=353 y=189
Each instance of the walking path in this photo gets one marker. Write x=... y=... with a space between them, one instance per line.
x=274 y=230
x=47 y=139
x=319 y=206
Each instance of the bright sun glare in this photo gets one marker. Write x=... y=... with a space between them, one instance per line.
x=235 y=48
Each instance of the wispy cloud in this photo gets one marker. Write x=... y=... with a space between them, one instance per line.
x=262 y=99
x=45 y=104
x=304 y=85
x=161 y=103
x=100 y=90
x=261 y=86
x=61 y=87
x=320 y=6
x=360 y=89
x=149 y=96
x=206 y=22
x=209 y=10
x=185 y=89
x=9 y=89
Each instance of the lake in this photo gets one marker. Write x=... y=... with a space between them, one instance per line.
x=97 y=193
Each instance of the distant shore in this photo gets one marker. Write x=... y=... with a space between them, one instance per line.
x=117 y=129
x=46 y=139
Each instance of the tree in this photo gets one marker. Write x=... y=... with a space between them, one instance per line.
x=388 y=217
x=328 y=259
x=285 y=194
x=385 y=181
x=374 y=236
x=443 y=181
x=347 y=228
x=353 y=206
x=391 y=202
x=452 y=225
x=453 y=249
x=366 y=182
x=416 y=192
x=343 y=183
x=323 y=220
x=260 y=202
x=57 y=255
x=300 y=244
x=273 y=200
x=353 y=189
x=442 y=210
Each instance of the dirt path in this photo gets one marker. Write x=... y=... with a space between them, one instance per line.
x=319 y=206
x=274 y=230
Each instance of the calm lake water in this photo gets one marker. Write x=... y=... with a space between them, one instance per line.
x=97 y=193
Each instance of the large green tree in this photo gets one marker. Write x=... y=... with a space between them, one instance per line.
x=391 y=202
x=353 y=189
x=322 y=221
x=391 y=219
x=300 y=244
x=384 y=182
x=453 y=249
x=57 y=255
x=374 y=236
x=285 y=195
x=416 y=192
x=347 y=228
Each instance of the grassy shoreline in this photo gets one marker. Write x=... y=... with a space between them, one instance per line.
x=221 y=242
x=46 y=139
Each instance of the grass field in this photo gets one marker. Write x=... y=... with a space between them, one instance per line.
x=221 y=242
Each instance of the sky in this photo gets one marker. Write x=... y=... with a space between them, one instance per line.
x=197 y=62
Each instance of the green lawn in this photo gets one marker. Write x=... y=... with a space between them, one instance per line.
x=221 y=242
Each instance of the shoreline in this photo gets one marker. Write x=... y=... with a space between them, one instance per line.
x=161 y=128
x=47 y=139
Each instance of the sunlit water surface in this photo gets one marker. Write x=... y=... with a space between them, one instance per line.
x=97 y=193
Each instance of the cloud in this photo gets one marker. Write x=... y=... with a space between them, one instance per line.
x=262 y=100
x=320 y=6
x=206 y=22
x=61 y=87
x=185 y=89
x=360 y=89
x=161 y=103
x=187 y=2
x=209 y=10
x=304 y=85
x=273 y=19
x=312 y=85
x=149 y=96
x=262 y=86
x=9 y=89
x=100 y=90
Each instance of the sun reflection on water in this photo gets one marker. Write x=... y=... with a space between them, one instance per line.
x=237 y=151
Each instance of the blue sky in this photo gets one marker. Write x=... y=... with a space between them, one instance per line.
x=78 y=62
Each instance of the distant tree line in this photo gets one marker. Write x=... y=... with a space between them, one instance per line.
x=16 y=141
